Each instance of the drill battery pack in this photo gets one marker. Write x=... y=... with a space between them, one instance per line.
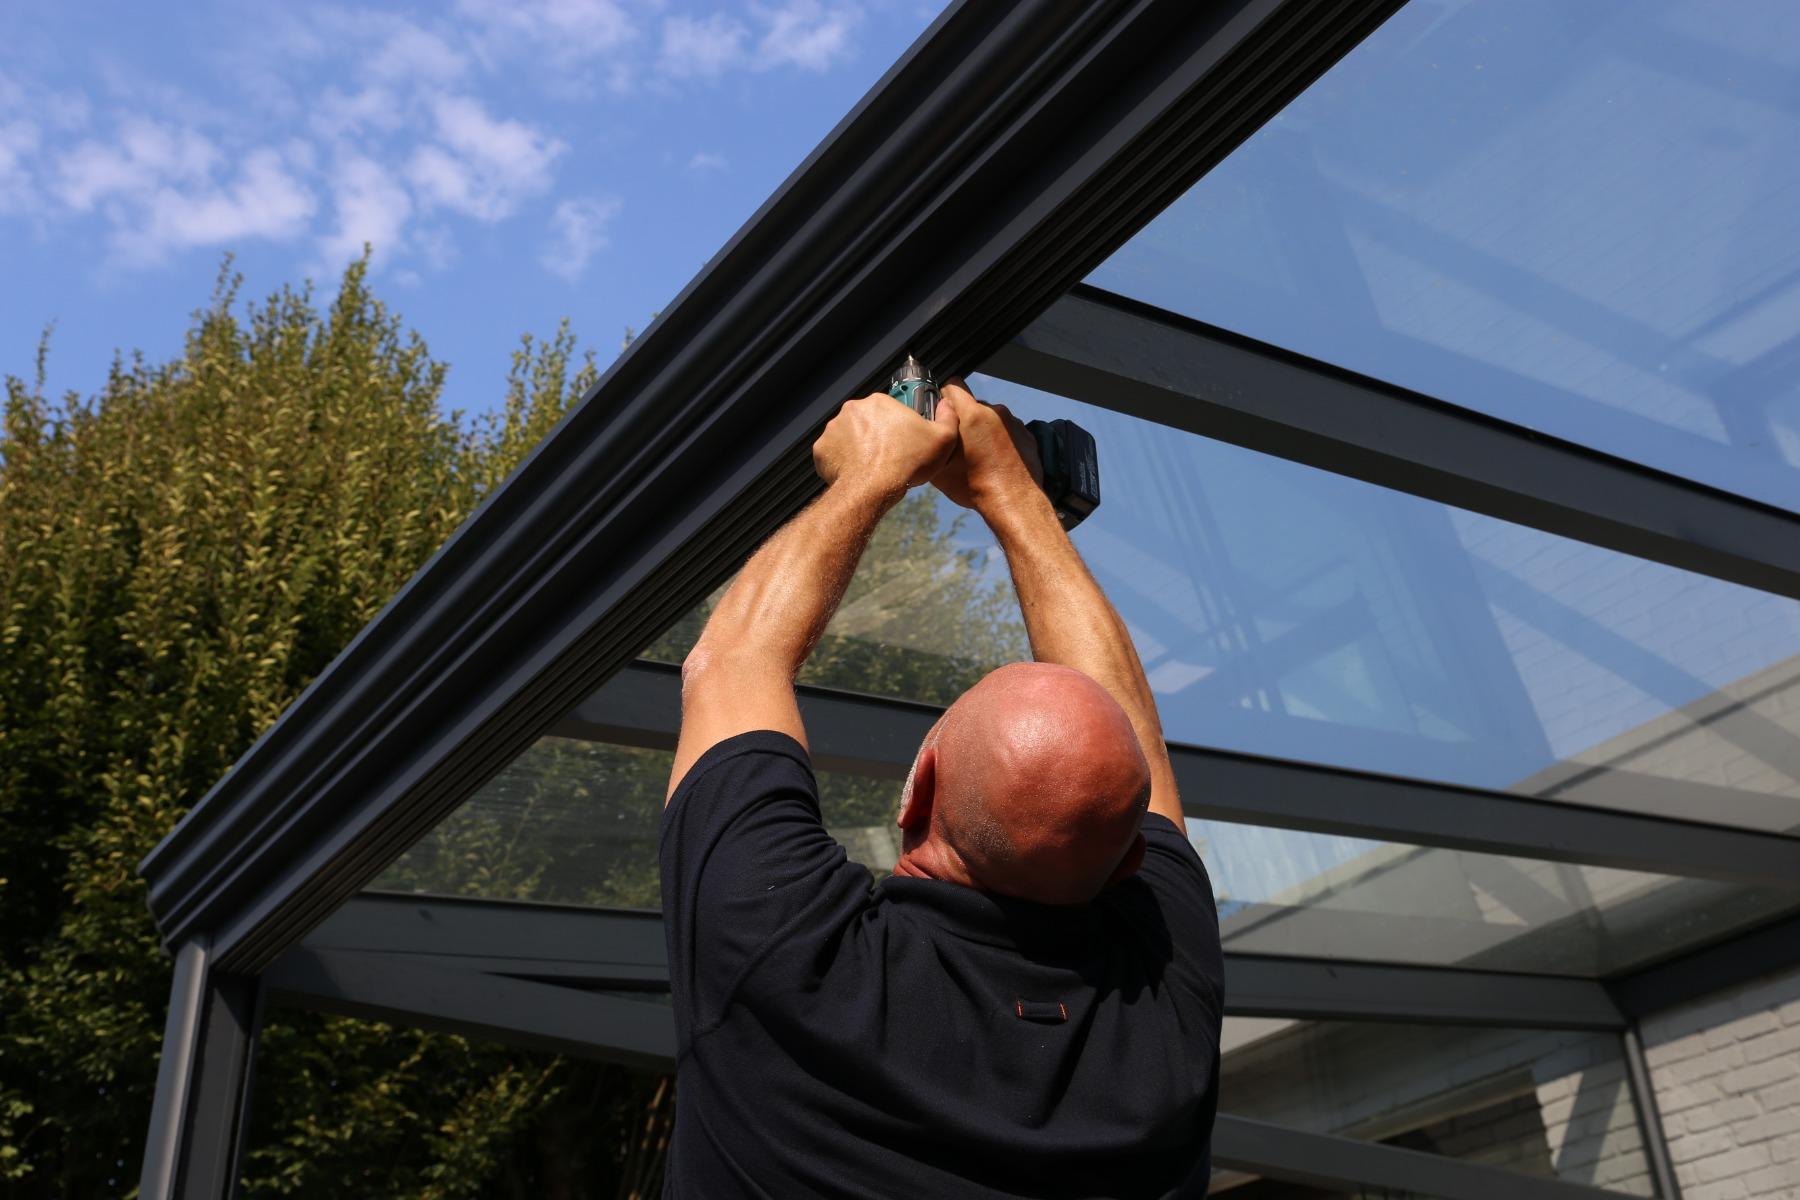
x=1071 y=464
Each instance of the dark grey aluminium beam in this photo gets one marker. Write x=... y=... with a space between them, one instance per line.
x=603 y=948
x=203 y=1083
x=1727 y=964
x=609 y=948
x=539 y=1016
x=1323 y=1161
x=1246 y=788
x=1033 y=136
x=1313 y=989
x=568 y=1021
x=872 y=735
x=847 y=731
x=1113 y=352
x=1649 y=1115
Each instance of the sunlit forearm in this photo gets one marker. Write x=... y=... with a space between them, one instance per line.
x=778 y=606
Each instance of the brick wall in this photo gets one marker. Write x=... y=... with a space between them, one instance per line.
x=1727 y=1076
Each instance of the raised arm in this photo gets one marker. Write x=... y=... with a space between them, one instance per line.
x=739 y=676
x=1068 y=618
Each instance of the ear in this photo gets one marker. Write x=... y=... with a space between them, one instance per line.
x=921 y=791
x=1128 y=866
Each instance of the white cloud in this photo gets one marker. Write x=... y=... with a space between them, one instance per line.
x=145 y=154
x=371 y=207
x=336 y=114
x=577 y=233
x=706 y=162
x=264 y=200
x=567 y=32
x=701 y=49
x=480 y=166
x=806 y=34
x=33 y=121
x=344 y=125
x=409 y=54
x=161 y=187
x=18 y=142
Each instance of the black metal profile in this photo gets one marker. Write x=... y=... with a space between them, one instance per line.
x=603 y=948
x=872 y=735
x=585 y=947
x=519 y=1012
x=1049 y=132
x=1317 y=989
x=1649 y=1115
x=195 y=1144
x=1116 y=353
x=640 y=1033
x=1699 y=973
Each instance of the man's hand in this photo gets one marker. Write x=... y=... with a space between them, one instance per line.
x=994 y=453
x=884 y=443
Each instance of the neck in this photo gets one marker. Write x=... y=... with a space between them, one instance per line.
x=929 y=861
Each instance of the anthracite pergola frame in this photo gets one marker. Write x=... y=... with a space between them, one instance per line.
x=951 y=213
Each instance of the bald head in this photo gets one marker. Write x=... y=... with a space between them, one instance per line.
x=1032 y=784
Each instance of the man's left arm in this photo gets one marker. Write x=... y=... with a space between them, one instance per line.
x=739 y=676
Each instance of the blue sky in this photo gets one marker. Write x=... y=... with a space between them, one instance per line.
x=511 y=161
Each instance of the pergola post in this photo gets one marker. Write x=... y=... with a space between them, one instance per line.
x=201 y=1108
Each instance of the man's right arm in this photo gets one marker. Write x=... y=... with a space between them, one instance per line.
x=1067 y=616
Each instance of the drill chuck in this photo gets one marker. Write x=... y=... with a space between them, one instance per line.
x=913 y=386
x=1067 y=452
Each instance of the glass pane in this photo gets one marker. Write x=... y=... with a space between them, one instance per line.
x=1290 y=612
x=573 y=822
x=1320 y=896
x=929 y=611
x=1552 y=1104
x=1579 y=217
x=576 y=822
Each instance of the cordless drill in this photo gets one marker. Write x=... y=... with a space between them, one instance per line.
x=1070 y=459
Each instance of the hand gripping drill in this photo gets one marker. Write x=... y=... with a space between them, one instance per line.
x=1069 y=456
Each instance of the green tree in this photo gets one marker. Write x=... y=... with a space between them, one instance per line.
x=180 y=555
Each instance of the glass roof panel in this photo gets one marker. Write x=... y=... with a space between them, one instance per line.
x=1310 y=895
x=1286 y=611
x=576 y=822
x=1551 y=1104
x=1581 y=218
x=1290 y=612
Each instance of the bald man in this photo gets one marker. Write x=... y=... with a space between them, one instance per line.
x=1029 y=1006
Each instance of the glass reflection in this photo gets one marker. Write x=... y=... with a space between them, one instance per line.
x=1289 y=612
x=1551 y=1104
x=1286 y=611
x=1310 y=895
x=1576 y=217
x=575 y=822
